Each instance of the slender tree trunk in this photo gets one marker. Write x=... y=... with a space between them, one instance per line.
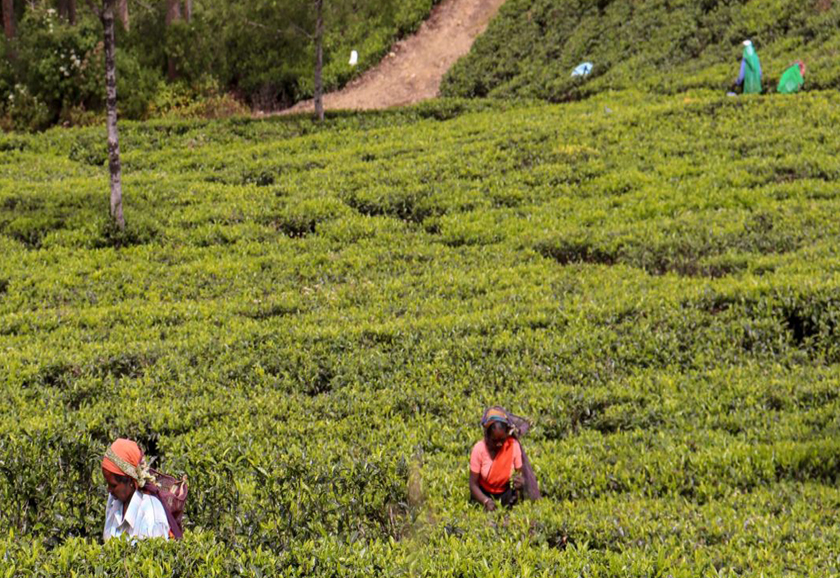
x=71 y=12
x=111 y=106
x=122 y=12
x=188 y=10
x=173 y=14
x=173 y=11
x=9 y=19
x=319 y=59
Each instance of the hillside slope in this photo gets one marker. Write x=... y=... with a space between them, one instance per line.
x=663 y=46
x=413 y=70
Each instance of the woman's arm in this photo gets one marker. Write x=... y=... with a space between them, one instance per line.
x=478 y=495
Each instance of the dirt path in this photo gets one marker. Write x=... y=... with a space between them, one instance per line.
x=415 y=66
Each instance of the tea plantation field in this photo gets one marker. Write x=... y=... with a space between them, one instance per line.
x=662 y=46
x=309 y=320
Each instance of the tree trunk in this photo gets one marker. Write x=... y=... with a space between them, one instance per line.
x=173 y=14
x=9 y=19
x=122 y=11
x=173 y=11
x=188 y=9
x=111 y=106
x=319 y=59
x=67 y=10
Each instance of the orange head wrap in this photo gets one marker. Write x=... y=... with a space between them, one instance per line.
x=125 y=458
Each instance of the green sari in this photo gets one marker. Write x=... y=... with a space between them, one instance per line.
x=791 y=80
x=752 y=72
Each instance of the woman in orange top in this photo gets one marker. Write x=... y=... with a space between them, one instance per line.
x=494 y=462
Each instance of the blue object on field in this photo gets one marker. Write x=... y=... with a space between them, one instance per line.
x=582 y=69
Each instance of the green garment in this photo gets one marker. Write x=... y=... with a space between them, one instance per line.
x=752 y=73
x=791 y=80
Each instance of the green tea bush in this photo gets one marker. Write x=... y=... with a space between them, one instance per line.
x=307 y=320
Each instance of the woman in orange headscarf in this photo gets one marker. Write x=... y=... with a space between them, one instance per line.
x=134 y=506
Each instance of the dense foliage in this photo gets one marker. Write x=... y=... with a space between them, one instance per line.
x=308 y=320
x=663 y=46
x=261 y=51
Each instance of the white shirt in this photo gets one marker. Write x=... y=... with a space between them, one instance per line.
x=144 y=518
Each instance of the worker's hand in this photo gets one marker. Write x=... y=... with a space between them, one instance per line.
x=518 y=482
x=490 y=505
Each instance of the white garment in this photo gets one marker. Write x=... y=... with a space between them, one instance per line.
x=144 y=518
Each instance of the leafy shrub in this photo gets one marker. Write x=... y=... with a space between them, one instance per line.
x=26 y=111
x=204 y=101
x=59 y=65
x=301 y=219
x=31 y=230
x=41 y=474
x=89 y=149
x=13 y=143
x=137 y=86
x=139 y=230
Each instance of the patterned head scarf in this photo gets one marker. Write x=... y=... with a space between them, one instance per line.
x=125 y=458
x=517 y=426
x=494 y=414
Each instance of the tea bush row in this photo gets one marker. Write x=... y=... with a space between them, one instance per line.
x=652 y=280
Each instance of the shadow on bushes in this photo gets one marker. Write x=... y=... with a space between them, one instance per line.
x=138 y=231
x=271 y=310
x=567 y=252
x=129 y=364
x=90 y=150
x=31 y=230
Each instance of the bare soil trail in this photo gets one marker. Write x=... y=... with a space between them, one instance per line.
x=415 y=66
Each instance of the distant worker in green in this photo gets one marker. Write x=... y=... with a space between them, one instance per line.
x=793 y=78
x=750 y=75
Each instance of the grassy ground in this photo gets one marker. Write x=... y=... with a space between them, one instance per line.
x=308 y=322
